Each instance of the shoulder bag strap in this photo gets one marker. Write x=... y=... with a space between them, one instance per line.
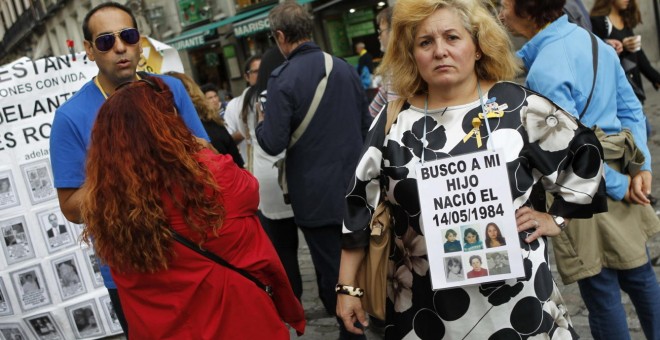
x=213 y=257
x=393 y=109
x=594 y=53
x=320 y=89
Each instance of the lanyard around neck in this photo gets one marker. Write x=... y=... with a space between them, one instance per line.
x=483 y=108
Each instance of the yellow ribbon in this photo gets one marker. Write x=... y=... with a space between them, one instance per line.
x=476 y=123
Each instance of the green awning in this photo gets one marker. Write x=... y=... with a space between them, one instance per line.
x=251 y=26
x=204 y=30
x=256 y=17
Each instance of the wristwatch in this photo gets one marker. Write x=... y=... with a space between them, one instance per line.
x=559 y=221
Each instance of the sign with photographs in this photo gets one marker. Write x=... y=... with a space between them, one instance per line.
x=110 y=314
x=8 y=196
x=84 y=320
x=5 y=304
x=31 y=287
x=44 y=270
x=93 y=267
x=469 y=221
x=13 y=331
x=17 y=244
x=44 y=327
x=39 y=180
x=56 y=230
x=68 y=274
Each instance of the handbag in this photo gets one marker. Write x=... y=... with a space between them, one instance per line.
x=280 y=164
x=372 y=272
x=629 y=68
x=219 y=260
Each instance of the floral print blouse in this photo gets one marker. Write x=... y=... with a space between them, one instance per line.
x=540 y=142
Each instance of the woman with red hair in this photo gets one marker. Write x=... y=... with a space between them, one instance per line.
x=147 y=176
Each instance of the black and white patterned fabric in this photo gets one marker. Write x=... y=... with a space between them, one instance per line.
x=540 y=142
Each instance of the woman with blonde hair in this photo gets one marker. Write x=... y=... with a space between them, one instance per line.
x=213 y=123
x=147 y=178
x=449 y=60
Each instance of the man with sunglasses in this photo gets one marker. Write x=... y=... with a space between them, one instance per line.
x=113 y=42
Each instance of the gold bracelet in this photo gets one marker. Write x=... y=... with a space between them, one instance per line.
x=349 y=290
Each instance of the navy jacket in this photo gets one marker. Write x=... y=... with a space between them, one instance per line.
x=321 y=164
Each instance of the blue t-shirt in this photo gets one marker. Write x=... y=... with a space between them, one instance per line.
x=473 y=246
x=72 y=129
x=453 y=246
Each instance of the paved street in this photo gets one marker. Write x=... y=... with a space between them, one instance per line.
x=321 y=326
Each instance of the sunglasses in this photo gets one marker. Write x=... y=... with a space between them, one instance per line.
x=105 y=42
x=149 y=82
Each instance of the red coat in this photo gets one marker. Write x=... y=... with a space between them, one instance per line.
x=199 y=299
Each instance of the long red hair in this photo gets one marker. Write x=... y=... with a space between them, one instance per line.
x=141 y=150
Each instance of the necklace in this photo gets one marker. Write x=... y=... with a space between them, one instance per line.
x=105 y=94
x=96 y=82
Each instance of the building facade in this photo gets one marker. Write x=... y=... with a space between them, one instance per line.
x=215 y=37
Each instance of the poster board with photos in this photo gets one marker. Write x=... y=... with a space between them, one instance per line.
x=8 y=195
x=67 y=272
x=44 y=327
x=58 y=233
x=16 y=242
x=5 y=304
x=30 y=284
x=469 y=220
x=13 y=331
x=84 y=319
x=43 y=268
x=93 y=267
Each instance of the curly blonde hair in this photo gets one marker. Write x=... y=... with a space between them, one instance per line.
x=498 y=61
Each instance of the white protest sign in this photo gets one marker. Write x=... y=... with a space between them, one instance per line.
x=469 y=221
x=50 y=285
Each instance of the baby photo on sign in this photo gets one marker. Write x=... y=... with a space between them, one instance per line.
x=16 y=245
x=5 y=305
x=68 y=276
x=84 y=319
x=39 y=181
x=31 y=287
x=56 y=230
x=93 y=266
x=44 y=327
x=12 y=331
x=8 y=194
x=110 y=314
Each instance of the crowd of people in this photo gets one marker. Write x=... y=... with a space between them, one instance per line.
x=148 y=162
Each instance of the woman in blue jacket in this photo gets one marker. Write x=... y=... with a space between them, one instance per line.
x=605 y=253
